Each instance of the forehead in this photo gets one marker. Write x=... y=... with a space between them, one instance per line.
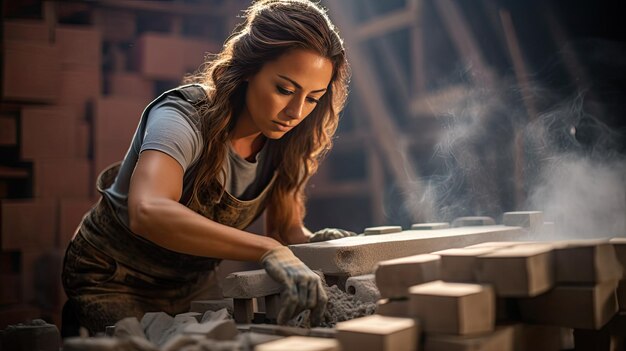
x=306 y=67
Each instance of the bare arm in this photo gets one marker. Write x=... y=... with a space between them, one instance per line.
x=296 y=233
x=156 y=214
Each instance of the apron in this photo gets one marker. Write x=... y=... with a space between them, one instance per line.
x=110 y=273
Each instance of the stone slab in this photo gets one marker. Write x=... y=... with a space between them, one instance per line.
x=300 y=343
x=586 y=262
x=460 y=265
x=393 y=307
x=378 y=333
x=382 y=230
x=363 y=287
x=359 y=255
x=536 y=337
x=453 y=308
x=620 y=251
x=395 y=277
x=518 y=271
x=502 y=339
x=430 y=226
x=472 y=221
x=526 y=219
x=250 y=284
x=573 y=306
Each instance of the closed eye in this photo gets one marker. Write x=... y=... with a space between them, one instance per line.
x=312 y=100
x=283 y=90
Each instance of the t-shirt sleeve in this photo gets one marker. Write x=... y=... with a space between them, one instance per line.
x=170 y=130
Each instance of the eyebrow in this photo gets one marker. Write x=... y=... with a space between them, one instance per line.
x=298 y=85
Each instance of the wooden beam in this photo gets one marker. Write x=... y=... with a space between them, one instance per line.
x=383 y=24
x=392 y=143
x=174 y=8
x=462 y=37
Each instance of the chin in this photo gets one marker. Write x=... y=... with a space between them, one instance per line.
x=274 y=135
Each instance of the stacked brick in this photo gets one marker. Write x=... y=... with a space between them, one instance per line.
x=511 y=296
x=71 y=98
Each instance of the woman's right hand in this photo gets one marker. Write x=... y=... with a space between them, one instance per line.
x=303 y=289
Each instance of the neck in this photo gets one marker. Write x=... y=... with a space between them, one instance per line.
x=246 y=140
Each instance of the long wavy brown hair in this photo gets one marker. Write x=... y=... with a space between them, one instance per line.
x=271 y=28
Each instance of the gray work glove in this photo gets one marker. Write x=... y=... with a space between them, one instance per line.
x=329 y=234
x=303 y=289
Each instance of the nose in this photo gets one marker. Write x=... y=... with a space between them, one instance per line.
x=295 y=107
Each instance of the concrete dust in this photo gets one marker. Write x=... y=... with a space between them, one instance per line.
x=341 y=307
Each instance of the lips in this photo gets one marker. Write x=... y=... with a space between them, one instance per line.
x=282 y=126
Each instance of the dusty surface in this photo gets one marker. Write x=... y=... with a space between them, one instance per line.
x=359 y=255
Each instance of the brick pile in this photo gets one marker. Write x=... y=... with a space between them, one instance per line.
x=71 y=98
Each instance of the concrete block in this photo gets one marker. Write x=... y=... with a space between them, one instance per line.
x=363 y=287
x=47 y=132
x=62 y=178
x=222 y=314
x=201 y=306
x=501 y=339
x=378 y=333
x=359 y=255
x=394 y=277
x=453 y=308
x=27 y=224
x=619 y=244
x=300 y=343
x=160 y=56
x=528 y=337
x=382 y=230
x=26 y=30
x=518 y=271
x=472 y=221
x=34 y=335
x=573 y=306
x=610 y=337
x=249 y=284
x=128 y=327
x=243 y=310
x=498 y=244
x=586 y=262
x=80 y=46
x=430 y=226
x=526 y=219
x=393 y=307
x=158 y=326
x=460 y=265
x=196 y=315
x=31 y=71
x=272 y=306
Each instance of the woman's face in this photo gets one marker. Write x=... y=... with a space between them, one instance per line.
x=284 y=92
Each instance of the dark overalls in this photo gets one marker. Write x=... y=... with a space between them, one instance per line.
x=110 y=273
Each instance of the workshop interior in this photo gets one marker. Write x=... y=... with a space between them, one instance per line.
x=479 y=167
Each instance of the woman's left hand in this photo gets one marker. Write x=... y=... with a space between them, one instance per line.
x=330 y=234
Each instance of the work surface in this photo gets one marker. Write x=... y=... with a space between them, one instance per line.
x=359 y=255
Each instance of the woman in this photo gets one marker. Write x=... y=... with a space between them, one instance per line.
x=205 y=162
